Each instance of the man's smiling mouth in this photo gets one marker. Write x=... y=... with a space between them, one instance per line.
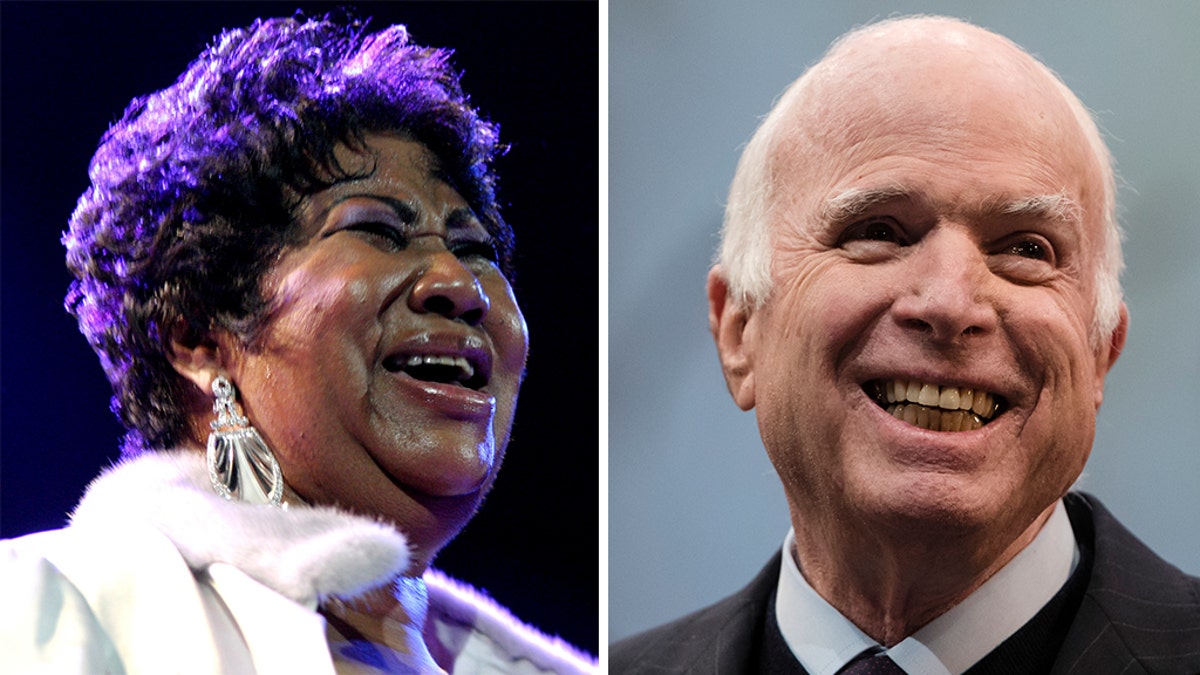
x=935 y=408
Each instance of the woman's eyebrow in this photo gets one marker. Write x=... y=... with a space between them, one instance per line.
x=404 y=210
x=462 y=218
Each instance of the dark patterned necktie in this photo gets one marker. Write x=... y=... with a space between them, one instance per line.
x=872 y=664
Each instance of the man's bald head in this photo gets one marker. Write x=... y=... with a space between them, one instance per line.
x=933 y=79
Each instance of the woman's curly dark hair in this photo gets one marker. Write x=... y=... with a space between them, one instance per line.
x=194 y=190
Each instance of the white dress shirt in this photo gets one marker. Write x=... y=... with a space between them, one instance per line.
x=824 y=641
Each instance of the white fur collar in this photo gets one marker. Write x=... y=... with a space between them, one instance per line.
x=305 y=554
x=308 y=554
x=452 y=603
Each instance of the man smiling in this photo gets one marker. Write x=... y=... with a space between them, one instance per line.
x=918 y=296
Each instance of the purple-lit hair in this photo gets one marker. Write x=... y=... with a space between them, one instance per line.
x=194 y=190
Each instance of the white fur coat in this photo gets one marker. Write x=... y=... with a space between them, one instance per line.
x=111 y=589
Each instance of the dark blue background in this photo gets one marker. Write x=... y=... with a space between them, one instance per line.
x=69 y=70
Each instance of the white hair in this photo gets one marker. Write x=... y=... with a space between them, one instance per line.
x=746 y=238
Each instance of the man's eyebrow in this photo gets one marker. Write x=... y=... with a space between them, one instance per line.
x=1051 y=207
x=854 y=202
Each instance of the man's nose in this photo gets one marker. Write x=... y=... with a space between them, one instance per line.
x=946 y=291
x=445 y=286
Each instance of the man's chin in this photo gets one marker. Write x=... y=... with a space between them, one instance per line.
x=939 y=504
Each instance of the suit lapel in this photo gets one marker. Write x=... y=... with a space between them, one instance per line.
x=1137 y=609
x=1138 y=614
x=721 y=639
x=739 y=626
x=775 y=657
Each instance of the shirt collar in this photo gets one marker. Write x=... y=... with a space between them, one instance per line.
x=824 y=641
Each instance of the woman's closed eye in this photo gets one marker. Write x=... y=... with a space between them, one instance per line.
x=393 y=239
x=386 y=235
x=484 y=249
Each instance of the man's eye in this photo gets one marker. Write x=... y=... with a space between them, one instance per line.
x=1025 y=258
x=388 y=234
x=1028 y=246
x=884 y=231
x=1030 y=249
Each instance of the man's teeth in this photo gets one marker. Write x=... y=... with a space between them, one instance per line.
x=947 y=398
x=935 y=419
x=466 y=371
x=937 y=408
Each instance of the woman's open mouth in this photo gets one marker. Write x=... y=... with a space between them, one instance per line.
x=442 y=369
x=933 y=407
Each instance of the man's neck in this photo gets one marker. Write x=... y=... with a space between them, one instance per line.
x=889 y=588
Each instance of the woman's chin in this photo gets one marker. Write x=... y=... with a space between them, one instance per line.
x=443 y=467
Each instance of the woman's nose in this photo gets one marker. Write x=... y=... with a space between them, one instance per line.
x=945 y=294
x=445 y=286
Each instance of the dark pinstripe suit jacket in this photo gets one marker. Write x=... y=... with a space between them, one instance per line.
x=1139 y=614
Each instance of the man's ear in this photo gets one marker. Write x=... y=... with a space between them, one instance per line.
x=1110 y=351
x=195 y=356
x=732 y=326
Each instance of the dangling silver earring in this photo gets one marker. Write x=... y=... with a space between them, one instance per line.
x=240 y=465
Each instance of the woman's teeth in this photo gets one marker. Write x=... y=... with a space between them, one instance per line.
x=446 y=361
x=433 y=368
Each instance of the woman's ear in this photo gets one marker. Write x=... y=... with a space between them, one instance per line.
x=195 y=356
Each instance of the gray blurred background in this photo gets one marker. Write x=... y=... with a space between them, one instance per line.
x=695 y=508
